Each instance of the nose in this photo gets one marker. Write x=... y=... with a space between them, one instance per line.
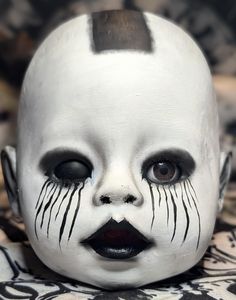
x=117 y=187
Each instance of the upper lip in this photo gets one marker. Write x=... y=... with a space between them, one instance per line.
x=118 y=240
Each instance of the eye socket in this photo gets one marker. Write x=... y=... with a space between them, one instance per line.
x=72 y=171
x=163 y=172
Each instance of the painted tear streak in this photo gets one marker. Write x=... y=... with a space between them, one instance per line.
x=185 y=198
x=46 y=206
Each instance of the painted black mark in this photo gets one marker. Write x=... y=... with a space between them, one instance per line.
x=120 y=30
x=62 y=228
x=159 y=194
x=187 y=194
x=41 y=205
x=76 y=211
x=153 y=204
x=62 y=201
x=50 y=213
x=47 y=205
x=190 y=188
x=167 y=205
x=174 y=212
x=186 y=214
x=46 y=184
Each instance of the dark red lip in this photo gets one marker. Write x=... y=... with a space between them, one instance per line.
x=118 y=240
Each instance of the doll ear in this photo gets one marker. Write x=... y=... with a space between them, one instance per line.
x=225 y=169
x=8 y=159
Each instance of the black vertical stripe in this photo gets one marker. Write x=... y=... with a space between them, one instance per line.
x=186 y=215
x=50 y=213
x=187 y=194
x=62 y=200
x=46 y=183
x=153 y=204
x=62 y=228
x=39 y=210
x=174 y=212
x=197 y=212
x=192 y=188
x=159 y=194
x=167 y=205
x=47 y=206
x=76 y=211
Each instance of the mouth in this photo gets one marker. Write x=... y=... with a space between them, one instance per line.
x=118 y=240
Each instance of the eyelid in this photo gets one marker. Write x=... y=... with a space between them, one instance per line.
x=56 y=156
x=180 y=157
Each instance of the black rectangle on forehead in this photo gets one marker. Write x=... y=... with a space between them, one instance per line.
x=120 y=30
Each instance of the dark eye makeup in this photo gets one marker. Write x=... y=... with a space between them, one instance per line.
x=66 y=166
x=168 y=167
x=165 y=167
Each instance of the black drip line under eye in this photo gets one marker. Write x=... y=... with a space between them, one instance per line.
x=186 y=213
x=188 y=199
x=153 y=205
x=47 y=200
x=174 y=212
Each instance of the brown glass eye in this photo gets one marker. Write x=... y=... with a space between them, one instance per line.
x=163 y=172
x=74 y=171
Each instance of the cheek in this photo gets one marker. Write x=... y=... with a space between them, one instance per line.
x=50 y=210
x=182 y=216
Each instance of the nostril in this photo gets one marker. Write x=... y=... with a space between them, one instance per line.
x=105 y=199
x=129 y=199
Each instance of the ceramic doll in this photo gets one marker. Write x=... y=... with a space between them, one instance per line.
x=117 y=173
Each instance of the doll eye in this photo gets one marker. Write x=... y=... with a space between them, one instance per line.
x=72 y=170
x=163 y=172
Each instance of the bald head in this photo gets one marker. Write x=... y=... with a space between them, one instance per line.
x=108 y=69
x=118 y=125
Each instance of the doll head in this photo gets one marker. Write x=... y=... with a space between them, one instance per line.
x=117 y=172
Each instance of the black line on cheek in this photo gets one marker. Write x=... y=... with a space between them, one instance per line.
x=192 y=188
x=159 y=193
x=50 y=213
x=153 y=204
x=197 y=211
x=186 y=214
x=62 y=228
x=187 y=194
x=76 y=211
x=45 y=185
x=47 y=205
x=175 y=213
x=39 y=210
x=62 y=200
x=167 y=205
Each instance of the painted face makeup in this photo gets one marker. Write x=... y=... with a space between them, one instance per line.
x=117 y=173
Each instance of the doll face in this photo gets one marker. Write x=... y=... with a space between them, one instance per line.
x=118 y=159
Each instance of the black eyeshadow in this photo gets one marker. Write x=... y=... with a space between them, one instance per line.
x=56 y=156
x=179 y=157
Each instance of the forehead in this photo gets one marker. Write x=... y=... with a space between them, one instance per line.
x=116 y=93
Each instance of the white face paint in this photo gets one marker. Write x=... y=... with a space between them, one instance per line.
x=140 y=132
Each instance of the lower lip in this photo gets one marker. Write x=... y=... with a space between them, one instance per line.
x=120 y=253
